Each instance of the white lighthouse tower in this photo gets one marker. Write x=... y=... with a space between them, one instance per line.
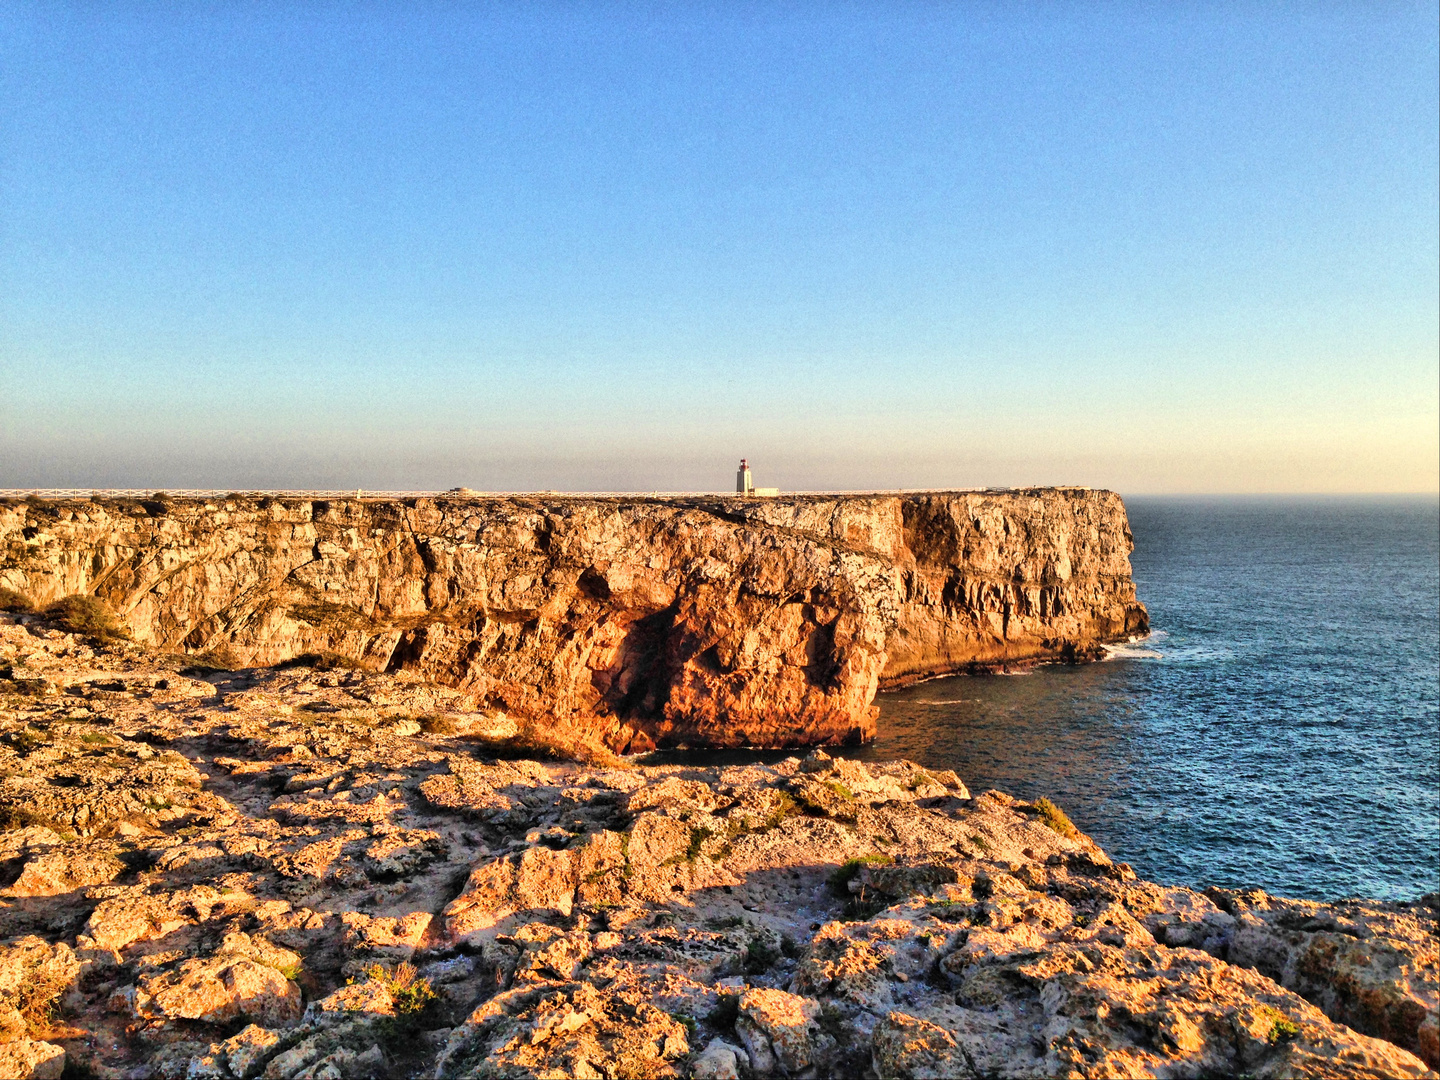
x=743 y=484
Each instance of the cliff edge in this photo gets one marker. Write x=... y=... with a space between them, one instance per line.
x=649 y=621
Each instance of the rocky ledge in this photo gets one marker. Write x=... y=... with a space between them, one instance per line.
x=674 y=621
x=316 y=873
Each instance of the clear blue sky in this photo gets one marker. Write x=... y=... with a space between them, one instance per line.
x=1155 y=247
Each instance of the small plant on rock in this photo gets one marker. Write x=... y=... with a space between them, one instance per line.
x=410 y=993
x=1282 y=1028
x=920 y=778
x=1052 y=816
x=432 y=724
x=841 y=877
x=37 y=999
x=413 y=999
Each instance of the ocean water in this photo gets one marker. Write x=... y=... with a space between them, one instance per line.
x=1279 y=728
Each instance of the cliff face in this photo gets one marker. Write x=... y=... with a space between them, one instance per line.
x=699 y=621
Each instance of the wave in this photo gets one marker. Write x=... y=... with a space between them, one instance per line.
x=1143 y=648
x=1132 y=650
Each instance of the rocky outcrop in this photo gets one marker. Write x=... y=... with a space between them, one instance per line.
x=654 y=621
x=302 y=873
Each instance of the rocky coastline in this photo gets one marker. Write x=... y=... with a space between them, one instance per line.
x=321 y=871
x=676 y=621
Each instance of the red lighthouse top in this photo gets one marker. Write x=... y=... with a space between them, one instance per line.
x=742 y=463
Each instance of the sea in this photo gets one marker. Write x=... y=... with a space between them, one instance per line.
x=1280 y=726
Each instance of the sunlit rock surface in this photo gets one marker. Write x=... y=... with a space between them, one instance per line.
x=328 y=873
x=674 y=621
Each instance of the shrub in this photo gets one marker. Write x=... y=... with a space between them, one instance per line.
x=27 y=740
x=37 y=1000
x=725 y=1013
x=1282 y=1028
x=410 y=993
x=760 y=955
x=87 y=615
x=12 y=600
x=841 y=877
x=19 y=817
x=431 y=724
x=413 y=998
x=1052 y=816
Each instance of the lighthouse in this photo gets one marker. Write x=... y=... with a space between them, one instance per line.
x=743 y=484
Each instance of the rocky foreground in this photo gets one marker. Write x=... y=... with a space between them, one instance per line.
x=300 y=872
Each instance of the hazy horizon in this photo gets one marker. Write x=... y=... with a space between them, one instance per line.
x=1162 y=250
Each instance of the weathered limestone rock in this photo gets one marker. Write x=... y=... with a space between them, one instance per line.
x=30 y=1059
x=65 y=869
x=782 y=1029
x=1372 y=966
x=243 y=978
x=674 y=621
x=343 y=894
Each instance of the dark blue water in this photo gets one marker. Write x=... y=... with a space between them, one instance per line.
x=1280 y=728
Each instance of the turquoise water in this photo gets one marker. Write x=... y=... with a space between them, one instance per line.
x=1281 y=726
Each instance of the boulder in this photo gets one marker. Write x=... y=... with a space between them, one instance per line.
x=29 y=1059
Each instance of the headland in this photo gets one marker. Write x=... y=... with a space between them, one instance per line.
x=642 y=621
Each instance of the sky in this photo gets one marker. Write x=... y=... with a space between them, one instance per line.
x=1160 y=248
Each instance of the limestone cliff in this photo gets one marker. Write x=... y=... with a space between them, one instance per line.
x=699 y=621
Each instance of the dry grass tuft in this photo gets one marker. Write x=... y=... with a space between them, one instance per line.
x=1052 y=816
x=555 y=741
x=36 y=999
x=87 y=615
x=437 y=724
x=13 y=600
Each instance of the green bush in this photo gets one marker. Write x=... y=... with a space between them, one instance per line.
x=1282 y=1028
x=725 y=1013
x=414 y=1000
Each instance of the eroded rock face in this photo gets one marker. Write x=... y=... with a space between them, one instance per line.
x=673 y=621
x=340 y=890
